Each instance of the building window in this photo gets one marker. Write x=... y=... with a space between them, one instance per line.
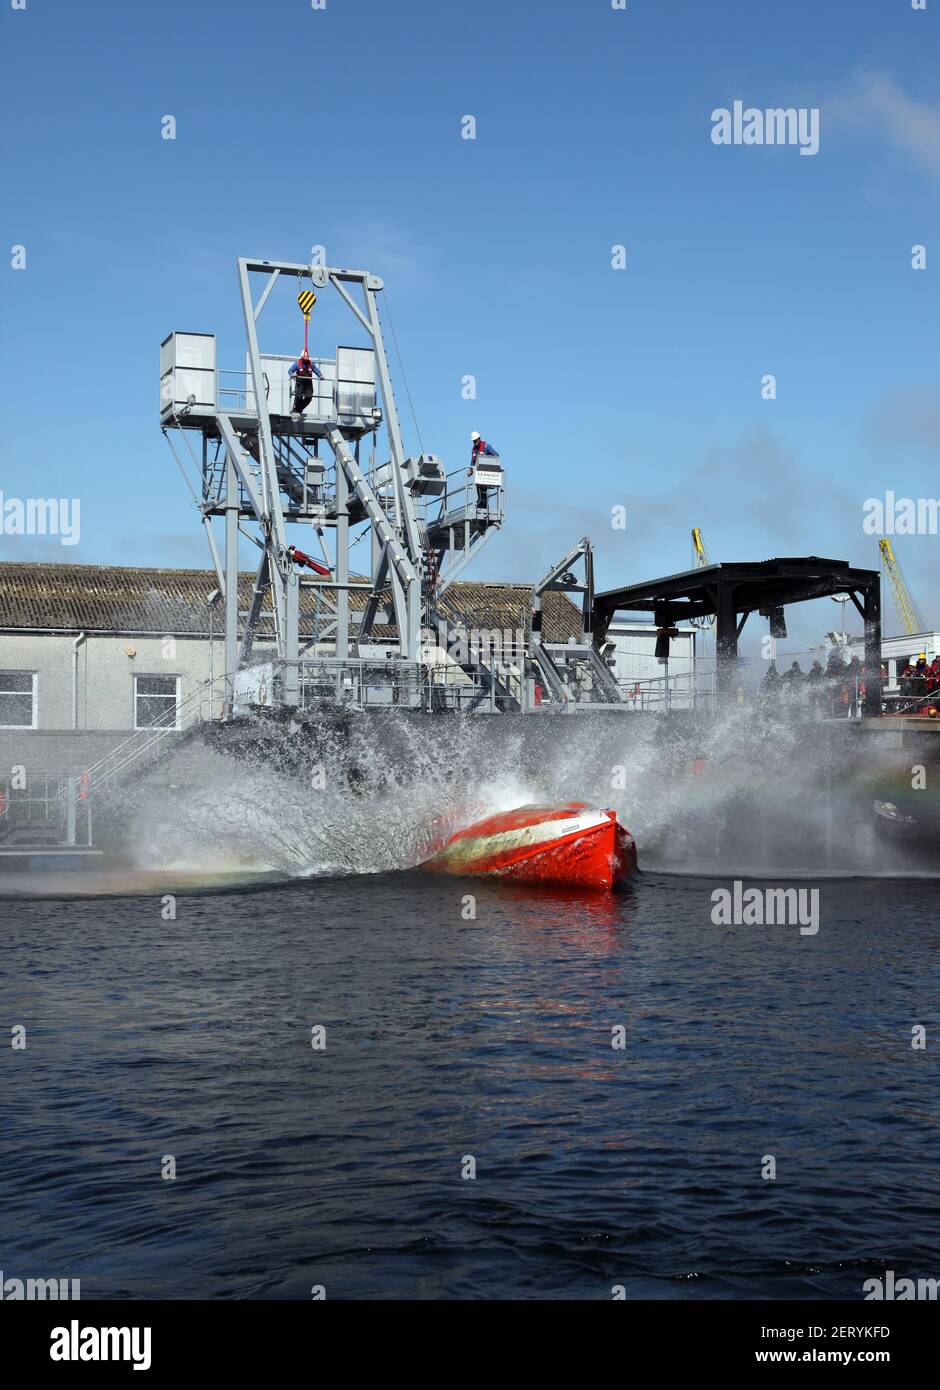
x=156 y=701
x=17 y=699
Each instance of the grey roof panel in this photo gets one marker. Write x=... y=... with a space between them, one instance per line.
x=118 y=598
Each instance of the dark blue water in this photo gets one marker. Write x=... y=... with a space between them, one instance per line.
x=449 y=1037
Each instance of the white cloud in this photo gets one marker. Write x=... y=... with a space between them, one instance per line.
x=873 y=102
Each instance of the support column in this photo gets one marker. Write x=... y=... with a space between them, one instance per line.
x=726 y=644
x=342 y=561
x=407 y=523
x=71 y=793
x=231 y=582
x=871 y=612
x=290 y=673
x=408 y=610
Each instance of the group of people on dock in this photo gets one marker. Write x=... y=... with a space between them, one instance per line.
x=833 y=692
x=920 y=678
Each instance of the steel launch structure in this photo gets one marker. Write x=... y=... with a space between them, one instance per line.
x=317 y=478
x=265 y=466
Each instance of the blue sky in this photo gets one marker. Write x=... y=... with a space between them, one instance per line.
x=639 y=387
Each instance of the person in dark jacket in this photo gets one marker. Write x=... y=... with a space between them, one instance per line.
x=815 y=680
x=303 y=371
x=480 y=449
x=835 y=683
x=770 y=688
x=791 y=685
x=853 y=677
x=919 y=681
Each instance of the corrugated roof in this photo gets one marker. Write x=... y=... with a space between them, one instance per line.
x=119 y=598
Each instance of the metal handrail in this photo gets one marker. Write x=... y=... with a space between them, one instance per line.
x=49 y=792
x=150 y=734
x=658 y=691
x=354 y=677
x=240 y=393
x=911 y=704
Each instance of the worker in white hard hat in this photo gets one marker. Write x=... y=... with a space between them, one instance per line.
x=480 y=449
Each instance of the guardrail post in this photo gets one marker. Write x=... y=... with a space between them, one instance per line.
x=70 y=798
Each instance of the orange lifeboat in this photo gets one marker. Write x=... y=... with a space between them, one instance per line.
x=573 y=844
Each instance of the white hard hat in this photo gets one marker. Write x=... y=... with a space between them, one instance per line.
x=474 y=434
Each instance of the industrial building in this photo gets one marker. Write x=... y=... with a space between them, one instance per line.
x=648 y=682
x=102 y=651
x=91 y=653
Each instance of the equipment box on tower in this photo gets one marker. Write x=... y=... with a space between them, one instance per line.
x=188 y=381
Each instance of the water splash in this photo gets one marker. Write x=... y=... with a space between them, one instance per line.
x=717 y=796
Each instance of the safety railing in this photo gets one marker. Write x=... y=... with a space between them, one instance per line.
x=233 y=391
x=35 y=804
x=835 y=697
x=658 y=692
x=237 y=394
x=363 y=684
x=919 y=704
x=462 y=499
x=46 y=811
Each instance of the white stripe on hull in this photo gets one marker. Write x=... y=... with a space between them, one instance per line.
x=470 y=850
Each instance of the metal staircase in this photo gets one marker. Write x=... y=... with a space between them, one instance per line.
x=499 y=690
x=143 y=741
x=574 y=671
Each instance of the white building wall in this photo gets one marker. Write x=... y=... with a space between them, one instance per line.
x=634 y=660
x=106 y=667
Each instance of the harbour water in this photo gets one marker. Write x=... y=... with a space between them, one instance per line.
x=616 y=1073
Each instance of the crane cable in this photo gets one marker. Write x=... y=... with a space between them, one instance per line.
x=401 y=368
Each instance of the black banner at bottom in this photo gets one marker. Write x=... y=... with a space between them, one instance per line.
x=164 y=1339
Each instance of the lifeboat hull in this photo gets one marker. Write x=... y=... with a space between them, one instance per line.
x=572 y=844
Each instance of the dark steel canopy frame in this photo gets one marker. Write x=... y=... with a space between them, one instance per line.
x=732 y=592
